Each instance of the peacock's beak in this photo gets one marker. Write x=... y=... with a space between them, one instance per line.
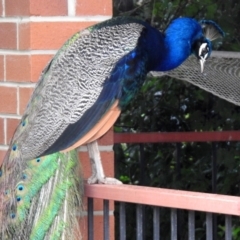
x=202 y=62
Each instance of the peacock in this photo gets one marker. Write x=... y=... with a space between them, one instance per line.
x=78 y=97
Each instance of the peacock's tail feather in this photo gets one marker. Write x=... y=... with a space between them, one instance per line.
x=45 y=199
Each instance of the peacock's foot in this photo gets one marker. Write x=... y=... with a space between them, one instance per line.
x=98 y=175
x=103 y=180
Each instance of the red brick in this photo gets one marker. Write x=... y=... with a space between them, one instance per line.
x=8 y=103
x=8 y=36
x=93 y=7
x=24 y=96
x=52 y=35
x=48 y=35
x=54 y=7
x=98 y=227
x=38 y=63
x=17 y=8
x=11 y=127
x=98 y=204
x=107 y=161
x=40 y=35
x=1 y=8
x=24 y=36
x=23 y=68
x=18 y=68
x=85 y=164
x=1 y=131
x=1 y=68
x=108 y=166
x=107 y=139
x=2 y=155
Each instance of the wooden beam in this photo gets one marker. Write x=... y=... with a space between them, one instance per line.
x=165 y=137
x=195 y=201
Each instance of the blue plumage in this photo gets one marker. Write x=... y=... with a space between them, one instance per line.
x=124 y=74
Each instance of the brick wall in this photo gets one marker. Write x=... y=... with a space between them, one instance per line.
x=30 y=33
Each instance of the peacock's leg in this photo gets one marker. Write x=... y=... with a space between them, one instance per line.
x=98 y=175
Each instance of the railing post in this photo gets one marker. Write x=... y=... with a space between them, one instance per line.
x=106 y=219
x=191 y=225
x=214 y=185
x=122 y=209
x=174 y=224
x=209 y=226
x=228 y=227
x=142 y=162
x=90 y=219
x=139 y=216
x=156 y=223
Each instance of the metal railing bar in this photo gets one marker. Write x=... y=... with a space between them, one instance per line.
x=209 y=226
x=214 y=185
x=228 y=227
x=142 y=165
x=173 y=224
x=191 y=225
x=90 y=219
x=178 y=160
x=122 y=226
x=139 y=216
x=214 y=167
x=106 y=219
x=178 y=173
x=156 y=223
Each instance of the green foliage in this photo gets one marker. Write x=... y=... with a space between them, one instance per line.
x=160 y=12
x=169 y=105
x=178 y=107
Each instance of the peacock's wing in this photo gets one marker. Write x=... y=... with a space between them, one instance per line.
x=78 y=97
x=77 y=88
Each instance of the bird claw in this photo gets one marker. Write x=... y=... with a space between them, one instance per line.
x=103 y=180
x=97 y=169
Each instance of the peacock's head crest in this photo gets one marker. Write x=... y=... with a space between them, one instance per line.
x=202 y=48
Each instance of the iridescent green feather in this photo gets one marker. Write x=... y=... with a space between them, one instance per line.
x=59 y=194
x=47 y=199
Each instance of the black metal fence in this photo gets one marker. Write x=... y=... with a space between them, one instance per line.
x=173 y=209
x=175 y=221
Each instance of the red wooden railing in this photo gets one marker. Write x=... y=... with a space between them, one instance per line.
x=205 y=202
x=164 y=197
x=155 y=137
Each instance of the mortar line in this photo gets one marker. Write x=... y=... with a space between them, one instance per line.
x=5 y=130
x=4 y=69
x=27 y=52
x=17 y=84
x=71 y=8
x=94 y=18
x=18 y=100
x=3 y=8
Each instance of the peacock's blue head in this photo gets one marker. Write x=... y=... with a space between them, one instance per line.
x=202 y=47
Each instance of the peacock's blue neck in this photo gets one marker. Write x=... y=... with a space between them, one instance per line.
x=177 y=41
